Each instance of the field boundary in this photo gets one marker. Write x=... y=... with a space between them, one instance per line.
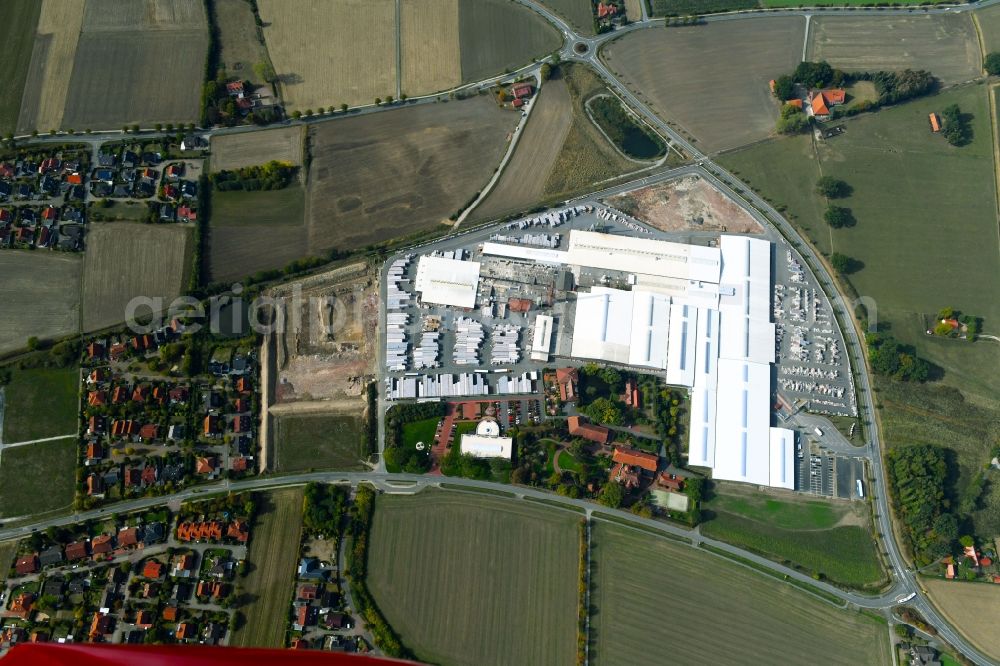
x=831 y=599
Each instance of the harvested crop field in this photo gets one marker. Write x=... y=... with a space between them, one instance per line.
x=240 y=46
x=91 y=63
x=18 y=23
x=395 y=173
x=470 y=579
x=686 y=204
x=273 y=554
x=578 y=13
x=765 y=620
x=429 y=63
x=41 y=296
x=318 y=441
x=108 y=97
x=126 y=260
x=944 y=44
x=331 y=53
x=37 y=477
x=522 y=184
x=586 y=156
x=972 y=608
x=232 y=151
x=486 y=28
x=699 y=78
x=52 y=61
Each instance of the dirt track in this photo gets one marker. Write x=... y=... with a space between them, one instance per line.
x=523 y=181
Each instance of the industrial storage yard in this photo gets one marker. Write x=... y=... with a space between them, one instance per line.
x=733 y=319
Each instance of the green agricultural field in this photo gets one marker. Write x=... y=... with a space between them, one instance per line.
x=645 y=588
x=471 y=579
x=927 y=237
x=18 y=20
x=926 y=220
x=319 y=441
x=815 y=535
x=273 y=554
x=989 y=27
x=41 y=402
x=37 y=477
x=281 y=208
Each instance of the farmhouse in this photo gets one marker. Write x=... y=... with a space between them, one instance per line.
x=821 y=101
x=594 y=433
x=630 y=464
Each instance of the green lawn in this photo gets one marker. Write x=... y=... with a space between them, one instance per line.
x=655 y=602
x=472 y=579
x=270 y=207
x=568 y=463
x=37 y=477
x=803 y=533
x=40 y=403
x=319 y=441
x=18 y=20
x=420 y=431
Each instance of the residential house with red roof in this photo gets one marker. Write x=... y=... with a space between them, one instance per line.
x=101 y=545
x=580 y=428
x=568 y=380
x=152 y=569
x=27 y=565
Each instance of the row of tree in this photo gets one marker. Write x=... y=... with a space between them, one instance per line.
x=385 y=637
x=273 y=175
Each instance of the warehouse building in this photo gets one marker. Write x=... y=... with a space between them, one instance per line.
x=447 y=281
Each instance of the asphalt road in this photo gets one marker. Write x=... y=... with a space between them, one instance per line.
x=412 y=483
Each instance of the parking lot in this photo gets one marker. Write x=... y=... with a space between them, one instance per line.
x=813 y=370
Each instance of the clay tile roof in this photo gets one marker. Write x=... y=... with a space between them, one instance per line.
x=635 y=458
x=152 y=569
x=170 y=613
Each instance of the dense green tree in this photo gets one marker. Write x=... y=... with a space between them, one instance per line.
x=612 y=495
x=839 y=217
x=992 y=63
x=832 y=188
x=784 y=87
x=813 y=74
x=842 y=263
x=957 y=129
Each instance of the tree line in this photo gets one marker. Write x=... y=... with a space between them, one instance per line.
x=273 y=175
x=917 y=477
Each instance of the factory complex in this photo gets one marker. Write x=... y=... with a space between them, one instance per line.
x=486 y=318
